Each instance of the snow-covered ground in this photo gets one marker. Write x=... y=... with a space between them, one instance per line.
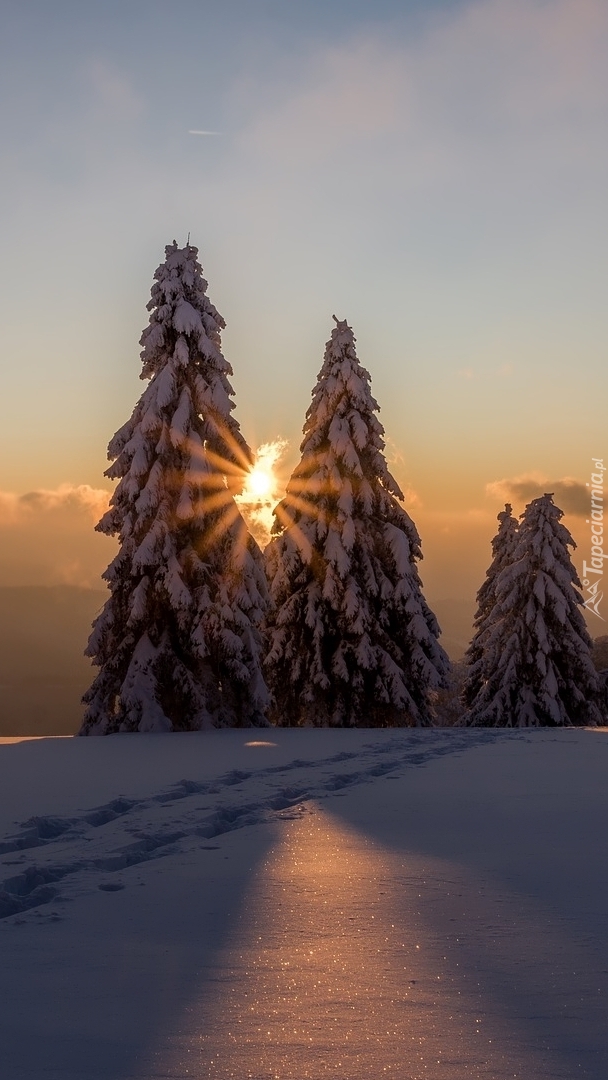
x=305 y=904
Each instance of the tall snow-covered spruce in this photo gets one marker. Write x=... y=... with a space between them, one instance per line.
x=178 y=642
x=503 y=546
x=351 y=640
x=535 y=667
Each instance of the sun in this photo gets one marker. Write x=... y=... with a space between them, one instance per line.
x=261 y=490
x=260 y=481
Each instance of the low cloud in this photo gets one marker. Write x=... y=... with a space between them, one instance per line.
x=15 y=509
x=571 y=495
x=397 y=465
x=47 y=536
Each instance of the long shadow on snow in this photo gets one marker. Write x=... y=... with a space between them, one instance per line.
x=110 y=979
x=157 y=950
x=521 y=818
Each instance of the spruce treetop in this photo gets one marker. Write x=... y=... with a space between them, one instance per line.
x=536 y=665
x=503 y=545
x=541 y=557
x=183 y=339
x=177 y=641
x=342 y=476
x=352 y=637
x=340 y=419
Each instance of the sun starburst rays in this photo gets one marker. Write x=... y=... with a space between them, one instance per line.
x=229 y=487
x=224 y=488
x=260 y=495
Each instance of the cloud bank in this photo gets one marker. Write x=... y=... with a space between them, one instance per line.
x=47 y=536
x=572 y=496
x=67 y=497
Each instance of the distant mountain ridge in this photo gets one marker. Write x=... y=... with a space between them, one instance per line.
x=43 y=634
x=43 y=672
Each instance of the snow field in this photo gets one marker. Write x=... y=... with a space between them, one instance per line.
x=339 y=904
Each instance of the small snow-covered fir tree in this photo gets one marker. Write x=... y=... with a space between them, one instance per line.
x=503 y=545
x=536 y=667
x=351 y=640
x=177 y=643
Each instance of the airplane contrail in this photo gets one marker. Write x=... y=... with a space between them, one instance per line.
x=193 y=132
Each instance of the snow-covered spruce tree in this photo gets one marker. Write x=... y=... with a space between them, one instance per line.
x=177 y=643
x=351 y=640
x=503 y=545
x=536 y=668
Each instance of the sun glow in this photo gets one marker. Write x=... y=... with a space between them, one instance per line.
x=262 y=490
x=259 y=482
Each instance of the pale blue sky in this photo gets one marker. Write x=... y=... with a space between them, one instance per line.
x=433 y=172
